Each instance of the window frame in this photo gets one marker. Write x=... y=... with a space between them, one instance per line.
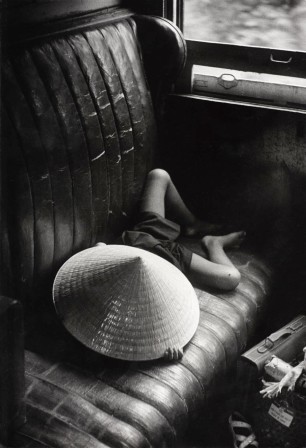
x=245 y=58
x=234 y=56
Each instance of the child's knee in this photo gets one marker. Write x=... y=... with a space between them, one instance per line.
x=159 y=174
x=232 y=280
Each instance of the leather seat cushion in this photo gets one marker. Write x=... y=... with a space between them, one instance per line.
x=143 y=404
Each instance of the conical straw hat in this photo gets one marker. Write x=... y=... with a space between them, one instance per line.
x=125 y=302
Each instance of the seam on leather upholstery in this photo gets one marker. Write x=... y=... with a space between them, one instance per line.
x=103 y=58
x=128 y=391
x=240 y=330
x=30 y=442
x=109 y=98
x=52 y=374
x=49 y=92
x=249 y=306
x=135 y=91
x=207 y=359
x=72 y=127
x=20 y=150
x=63 y=429
x=65 y=375
x=101 y=405
x=95 y=152
x=223 y=323
x=207 y=353
x=48 y=125
x=158 y=374
x=216 y=336
x=253 y=279
x=253 y=290
x=60 y=56
x=125 y=152
x=140 y=123
x=19 y=88
x=248 y=321
x=244 y=293
x=122 y=134
x=130 y=62
x=19 y=97
x=25 y=78
x=79 y=401
x=143 y=159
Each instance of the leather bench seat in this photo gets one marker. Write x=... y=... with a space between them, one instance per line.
x=81 y=135
x=145 y=404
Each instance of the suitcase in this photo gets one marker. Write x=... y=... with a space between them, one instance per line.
x=287 y=344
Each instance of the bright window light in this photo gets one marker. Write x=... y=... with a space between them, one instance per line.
x=267 y=23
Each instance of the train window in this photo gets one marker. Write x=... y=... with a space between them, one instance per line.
x=266 y=37
x=263 y=23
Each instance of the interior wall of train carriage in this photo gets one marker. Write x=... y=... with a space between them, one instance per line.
x=239 y=164
x=245 y=166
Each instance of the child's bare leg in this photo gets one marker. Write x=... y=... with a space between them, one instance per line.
x=161 y=196
x=219 y=271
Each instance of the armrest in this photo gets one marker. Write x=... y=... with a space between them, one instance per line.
x=164 y=53
x=12 y=411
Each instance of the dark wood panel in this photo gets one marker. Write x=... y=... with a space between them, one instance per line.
x=12 y=413
x=156 y=7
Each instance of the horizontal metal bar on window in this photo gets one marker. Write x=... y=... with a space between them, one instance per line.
x=277 y=89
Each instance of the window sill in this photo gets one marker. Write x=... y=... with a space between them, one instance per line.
x=195 y=97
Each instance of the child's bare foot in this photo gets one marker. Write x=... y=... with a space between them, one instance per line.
x=200 y=228
x=173 y=354
x=231 y=240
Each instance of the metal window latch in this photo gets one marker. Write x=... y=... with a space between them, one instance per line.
x=227 y=80
x=280 y=61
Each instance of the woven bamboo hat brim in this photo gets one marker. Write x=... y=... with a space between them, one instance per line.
x=125 y=302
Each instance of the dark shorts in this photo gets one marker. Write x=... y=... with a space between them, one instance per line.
x=157 y=235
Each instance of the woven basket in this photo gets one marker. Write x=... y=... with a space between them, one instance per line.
x=125 y=302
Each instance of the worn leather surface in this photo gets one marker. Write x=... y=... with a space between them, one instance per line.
x=158 y=54
x=146 y=404
x=80 y=144
x=80 y=136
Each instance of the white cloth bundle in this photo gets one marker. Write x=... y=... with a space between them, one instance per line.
x=284 y=373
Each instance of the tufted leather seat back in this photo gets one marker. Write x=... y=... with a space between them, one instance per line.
x=80 y=133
